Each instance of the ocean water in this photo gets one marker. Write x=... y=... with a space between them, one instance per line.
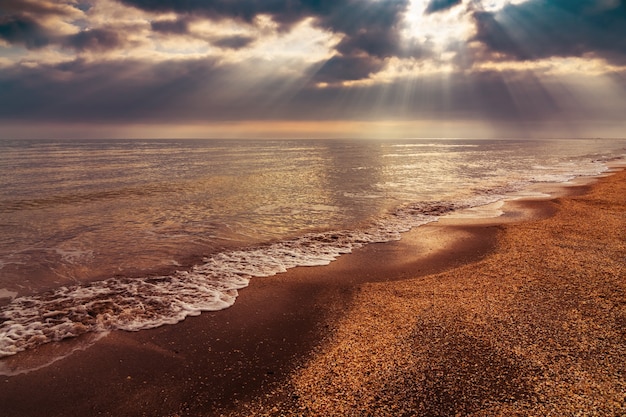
x=132 y=234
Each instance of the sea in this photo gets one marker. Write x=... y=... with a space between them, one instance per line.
x=103 y=235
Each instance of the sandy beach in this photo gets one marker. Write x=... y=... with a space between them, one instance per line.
x=520 y=315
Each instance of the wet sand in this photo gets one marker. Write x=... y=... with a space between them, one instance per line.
x=491 y=317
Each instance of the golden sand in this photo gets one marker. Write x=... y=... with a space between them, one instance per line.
x=536 y=328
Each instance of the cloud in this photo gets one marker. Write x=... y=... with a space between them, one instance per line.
x=371 y=33
x=341 y=68
x=538 y=29
x=36 y=25
x=367 y=28
x=40 y=7
x=81 y=90
x=180 y=26
x=368 y=32
x=441 y=5
x=233 y=42
x=135 y=90
x=26 y=31
x=283 y=11
x=374 y=42
x=175 y=26
x=29 y=33
x=97 y=40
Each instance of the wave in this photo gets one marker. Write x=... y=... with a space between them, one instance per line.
x=141 y=303
x=134 y=304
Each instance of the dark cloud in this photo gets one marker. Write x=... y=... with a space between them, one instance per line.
x=371 y=33
x=105 y=91
x=441 y=5
x=282 y=11
x=96 y=40
x=342 y=16
x=35 y=7
x=369 y=27
x=23 y=30
x=377 y=43
x=539 y=29
x=233 y=42
x=29 y=33
x=177 y=26
x=180 y=26
x=340 y=68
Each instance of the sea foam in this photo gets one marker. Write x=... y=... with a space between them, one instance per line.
x=141 y=303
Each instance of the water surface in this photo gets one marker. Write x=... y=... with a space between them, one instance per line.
x=133 y=234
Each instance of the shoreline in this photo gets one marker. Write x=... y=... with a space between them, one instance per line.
x=534 y=328
x=225 y=362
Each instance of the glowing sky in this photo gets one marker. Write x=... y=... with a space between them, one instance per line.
x=312 y=68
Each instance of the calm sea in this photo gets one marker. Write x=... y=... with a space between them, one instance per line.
x=133 y=234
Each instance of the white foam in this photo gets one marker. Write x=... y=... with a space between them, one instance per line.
x=567 y=171
x=74 y=256
x=126 y=304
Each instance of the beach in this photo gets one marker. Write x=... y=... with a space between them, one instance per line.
x=535 y=328
x=312 y=208
x=518 y=315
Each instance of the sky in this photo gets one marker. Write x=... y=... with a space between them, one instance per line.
x=312 y=68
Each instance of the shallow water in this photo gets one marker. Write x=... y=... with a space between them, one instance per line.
x=103 y=235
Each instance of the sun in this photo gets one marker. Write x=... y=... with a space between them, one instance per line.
x=439 y=30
